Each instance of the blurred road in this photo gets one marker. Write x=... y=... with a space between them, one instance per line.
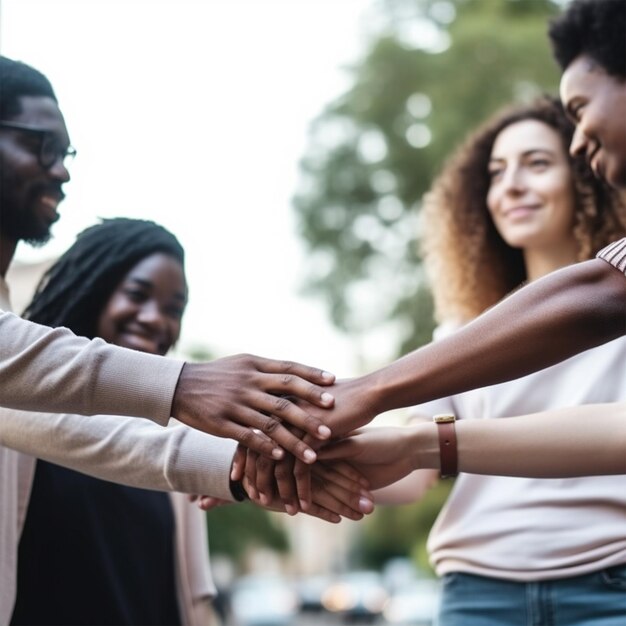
x=324 y=619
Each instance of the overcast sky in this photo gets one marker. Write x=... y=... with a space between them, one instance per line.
x=195 y=114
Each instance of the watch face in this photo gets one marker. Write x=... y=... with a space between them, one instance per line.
x=444 y=418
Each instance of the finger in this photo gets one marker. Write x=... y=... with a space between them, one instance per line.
x=192 y=497
x=250 y=475
x=286 y=485
x=302 y=477
x=341 y=501
x=323 y=498
x=292 y=368
x=288 y=410
x=280 y=433
x=239 y=463
x=328 y=516
x=206 y=503
x=343 y=474
x=265 y=479
x=247 y=436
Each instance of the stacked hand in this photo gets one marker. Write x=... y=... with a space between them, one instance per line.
x=245 y=398
x=298 y=486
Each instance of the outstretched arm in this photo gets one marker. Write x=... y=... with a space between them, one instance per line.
x=575 y=441
x=566 y=312
x=52 y=370
x=125 y=450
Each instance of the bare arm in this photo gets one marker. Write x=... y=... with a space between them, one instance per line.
x=576 y=441
x=569 y=311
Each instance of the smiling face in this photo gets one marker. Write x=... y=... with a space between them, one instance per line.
x=145 y=311
x=531 y=194
x=31 y=193
x=596 y=103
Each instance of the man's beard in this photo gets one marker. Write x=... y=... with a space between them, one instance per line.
x=23 y=225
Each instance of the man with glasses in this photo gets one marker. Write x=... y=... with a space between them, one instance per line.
x=53 y=371
x=228 y=397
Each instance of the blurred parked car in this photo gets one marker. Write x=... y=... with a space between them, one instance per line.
x=356 y=596
x=263 y=601
x=311 y=590
x=415 y=604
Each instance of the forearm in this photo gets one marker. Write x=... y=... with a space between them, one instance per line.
x=552 y=319
x=577 y=441
x=411 y=488
x=129 y=451
x=52 y=369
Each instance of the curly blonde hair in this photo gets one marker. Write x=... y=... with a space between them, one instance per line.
x=469 y=264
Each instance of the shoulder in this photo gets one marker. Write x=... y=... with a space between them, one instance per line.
x=615 y=254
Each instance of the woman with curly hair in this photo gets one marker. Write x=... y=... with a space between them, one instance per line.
x=463 y=241
x=510 y=207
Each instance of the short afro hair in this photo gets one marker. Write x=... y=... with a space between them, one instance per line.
x=595 y=28
x=18 y=80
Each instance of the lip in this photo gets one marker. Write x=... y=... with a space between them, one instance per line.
x=142 y=341
x=595 y=163
x=521 y=211
x=49 y=204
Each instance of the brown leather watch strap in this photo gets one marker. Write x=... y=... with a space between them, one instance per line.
x=448 y=454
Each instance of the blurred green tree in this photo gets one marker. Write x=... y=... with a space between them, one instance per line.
x=433 y=71
x=398 y=531
x=233 y=529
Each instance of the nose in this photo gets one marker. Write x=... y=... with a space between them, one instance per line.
x=578 y=146
x=59 y=171
x=150 y=315
x=513 y=180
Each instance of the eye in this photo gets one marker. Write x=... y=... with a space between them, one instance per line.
x=135 y=295
x=539 y=164
x=175 y=311
x=495 y=171
x=575 y=111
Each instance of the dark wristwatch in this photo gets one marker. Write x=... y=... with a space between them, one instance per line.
x=448 y=454
x=238 y=491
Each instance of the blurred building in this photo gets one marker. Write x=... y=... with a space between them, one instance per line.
x=22 y=278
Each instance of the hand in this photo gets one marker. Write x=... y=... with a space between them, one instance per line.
x=232 y=396
x=355 y=404
x=206 y=503
x=381 y=455
x=335 y=495
x=339 y=490
x=287 y=478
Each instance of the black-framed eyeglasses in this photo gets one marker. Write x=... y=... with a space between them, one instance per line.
x=50 y=148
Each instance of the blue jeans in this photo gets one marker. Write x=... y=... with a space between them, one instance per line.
x=597 y=599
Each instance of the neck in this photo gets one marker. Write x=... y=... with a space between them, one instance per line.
x=7 y=251
x=542 y=261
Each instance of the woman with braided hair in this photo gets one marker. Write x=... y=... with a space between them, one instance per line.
x=97 y=552
x=94 y=551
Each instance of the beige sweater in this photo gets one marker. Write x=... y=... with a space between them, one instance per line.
x=63 y=372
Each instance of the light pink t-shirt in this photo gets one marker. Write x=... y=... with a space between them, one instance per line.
x=528 y=529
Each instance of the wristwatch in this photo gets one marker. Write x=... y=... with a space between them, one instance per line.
x=238 y=491
x=448 y=454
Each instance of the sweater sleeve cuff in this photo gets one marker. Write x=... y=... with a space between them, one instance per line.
x=202 y=465
x=135 y=384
